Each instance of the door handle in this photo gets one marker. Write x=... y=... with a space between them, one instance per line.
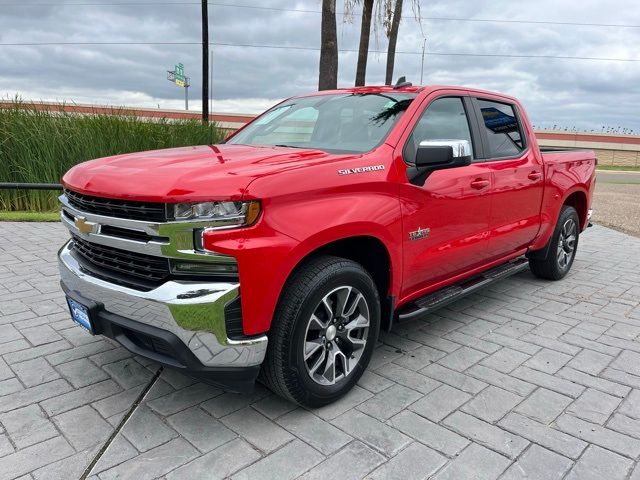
x=479 y=184
x=534 y=176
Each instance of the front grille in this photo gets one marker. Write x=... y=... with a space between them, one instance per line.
x=147 y=211
x=127 y=233
x=135 y=270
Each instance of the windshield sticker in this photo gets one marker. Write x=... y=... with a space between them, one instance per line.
x=273 y=114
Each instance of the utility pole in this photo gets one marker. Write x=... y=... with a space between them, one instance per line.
x=424 y=44
x=205 y=61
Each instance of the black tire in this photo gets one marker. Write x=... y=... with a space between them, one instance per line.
x=557 y=264
x=284 y=370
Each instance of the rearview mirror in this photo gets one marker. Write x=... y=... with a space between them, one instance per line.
x=437 y=155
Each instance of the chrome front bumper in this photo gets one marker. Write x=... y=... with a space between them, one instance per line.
x=171 y=307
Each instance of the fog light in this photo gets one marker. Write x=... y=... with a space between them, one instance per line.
x=204 y=268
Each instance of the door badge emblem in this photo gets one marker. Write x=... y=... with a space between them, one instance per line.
x=420 y=233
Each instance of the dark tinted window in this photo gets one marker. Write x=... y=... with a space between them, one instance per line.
x=356 y=122
x=444 y=119
x=503 y=129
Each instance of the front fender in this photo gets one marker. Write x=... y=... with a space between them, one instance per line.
x=267 y=255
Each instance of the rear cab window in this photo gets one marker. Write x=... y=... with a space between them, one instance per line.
x=502 y=129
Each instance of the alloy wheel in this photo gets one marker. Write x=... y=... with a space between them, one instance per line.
x=336 y=335
x=567 y=243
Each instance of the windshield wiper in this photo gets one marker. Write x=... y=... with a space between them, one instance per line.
x=288 y=146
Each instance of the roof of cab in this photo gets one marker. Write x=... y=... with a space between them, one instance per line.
x=378 y=89
x=409 y=89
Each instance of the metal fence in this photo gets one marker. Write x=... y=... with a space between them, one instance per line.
x=30 y=186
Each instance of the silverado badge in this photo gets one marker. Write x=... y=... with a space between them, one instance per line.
x=419 y=233
x=84 y=226
x=368 y=168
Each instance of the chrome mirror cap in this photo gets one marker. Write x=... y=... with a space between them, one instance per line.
x=461 y=148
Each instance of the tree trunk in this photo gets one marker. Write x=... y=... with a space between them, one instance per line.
x=328 y=72
x=393 y=38
x=363 y=51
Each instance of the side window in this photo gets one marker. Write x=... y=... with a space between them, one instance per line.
x=444 y=119
x=503 y=129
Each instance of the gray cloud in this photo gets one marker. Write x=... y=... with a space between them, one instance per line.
x=585 y=94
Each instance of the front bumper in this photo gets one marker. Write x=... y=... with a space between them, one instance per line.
x=164 y=313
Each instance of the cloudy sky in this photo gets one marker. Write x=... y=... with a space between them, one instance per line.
x=583 y=93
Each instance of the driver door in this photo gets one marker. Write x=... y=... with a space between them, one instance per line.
x=446 y=220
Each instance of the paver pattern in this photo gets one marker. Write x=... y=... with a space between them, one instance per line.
x=525 y=379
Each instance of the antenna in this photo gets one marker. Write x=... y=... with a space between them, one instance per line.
x=401 y=83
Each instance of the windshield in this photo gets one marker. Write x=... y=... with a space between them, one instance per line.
x=340 y=123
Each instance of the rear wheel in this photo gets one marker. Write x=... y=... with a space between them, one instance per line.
x=562 y=248
x=324 y=331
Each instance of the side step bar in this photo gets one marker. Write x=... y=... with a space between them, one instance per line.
x=445 y=296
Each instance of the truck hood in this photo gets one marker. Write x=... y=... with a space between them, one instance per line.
x=188 y=174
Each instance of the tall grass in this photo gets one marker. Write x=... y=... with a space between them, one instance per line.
x=41 y=145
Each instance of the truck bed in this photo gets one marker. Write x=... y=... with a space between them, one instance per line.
x=558 y=155
x=566 y=171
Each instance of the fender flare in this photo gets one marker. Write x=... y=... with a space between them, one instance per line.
x=364 y=229
x=543 y=253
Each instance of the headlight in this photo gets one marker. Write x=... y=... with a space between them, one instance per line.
x=220 y=214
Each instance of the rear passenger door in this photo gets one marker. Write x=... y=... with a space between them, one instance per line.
x=518 y=179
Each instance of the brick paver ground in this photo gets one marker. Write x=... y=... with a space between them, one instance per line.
x=526 y=379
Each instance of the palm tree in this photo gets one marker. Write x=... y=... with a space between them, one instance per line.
x=391 y=13
x=392 y=26
x=328 y=71
x=363 y=50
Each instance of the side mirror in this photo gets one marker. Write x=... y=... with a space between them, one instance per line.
x=437 y=155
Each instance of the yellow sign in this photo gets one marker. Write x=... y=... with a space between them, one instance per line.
x=179 y=82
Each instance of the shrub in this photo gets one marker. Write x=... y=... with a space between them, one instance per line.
x=39 y=146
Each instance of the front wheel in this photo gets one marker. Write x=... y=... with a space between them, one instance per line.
x=562 y=248
x=324 y=331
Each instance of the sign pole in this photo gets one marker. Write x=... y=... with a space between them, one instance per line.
x=211 y=83
x=424 y=44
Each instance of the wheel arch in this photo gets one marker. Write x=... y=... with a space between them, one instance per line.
x=578 y=200
x=374 y=256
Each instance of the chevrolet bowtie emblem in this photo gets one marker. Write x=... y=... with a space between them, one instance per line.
x=84 y=226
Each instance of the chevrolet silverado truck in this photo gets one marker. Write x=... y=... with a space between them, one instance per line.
x=282 y=252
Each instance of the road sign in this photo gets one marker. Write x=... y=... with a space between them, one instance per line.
x=179 y=73
x=178 y=77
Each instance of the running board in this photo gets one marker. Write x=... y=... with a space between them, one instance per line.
x=445 y=296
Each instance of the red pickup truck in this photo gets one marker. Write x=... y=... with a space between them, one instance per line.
x=282 y=252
